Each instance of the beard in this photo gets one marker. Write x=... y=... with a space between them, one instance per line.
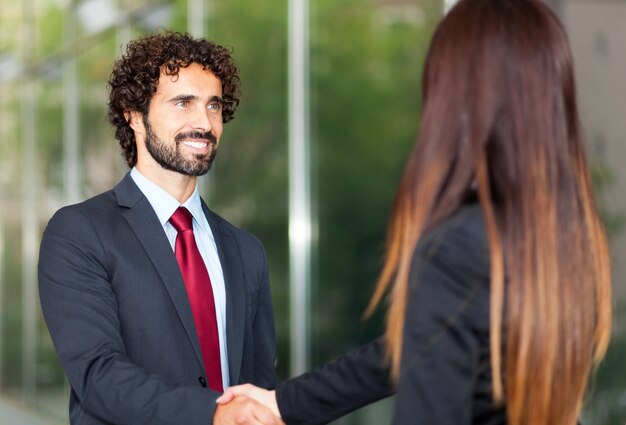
x=171 y=158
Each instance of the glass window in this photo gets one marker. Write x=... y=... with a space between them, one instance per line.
x=364 y=87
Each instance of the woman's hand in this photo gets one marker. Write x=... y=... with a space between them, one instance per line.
x=265 y=397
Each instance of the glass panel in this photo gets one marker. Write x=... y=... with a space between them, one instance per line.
x=247 y=186
x=365 y=67
x=366 y=64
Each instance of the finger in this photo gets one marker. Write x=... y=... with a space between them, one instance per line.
x=247 y=390
x=241 y=411
x=252 y=412
x=251 y=421
x=228 y=395
x=235 y=390
x=265 y=415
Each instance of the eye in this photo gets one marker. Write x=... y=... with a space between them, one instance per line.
x=182 y=103
x=215 y=107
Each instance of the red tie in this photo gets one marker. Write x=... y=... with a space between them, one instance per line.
x=200 y=295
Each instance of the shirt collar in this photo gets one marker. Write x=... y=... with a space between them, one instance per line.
x=194 y=205
x=165 y=204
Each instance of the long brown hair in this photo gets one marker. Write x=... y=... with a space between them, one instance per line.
x=500 y=115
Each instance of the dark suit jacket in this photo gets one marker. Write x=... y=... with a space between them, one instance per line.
x=445 y=374
x=115 y=303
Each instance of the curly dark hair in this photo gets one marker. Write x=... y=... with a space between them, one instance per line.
x=135 y=77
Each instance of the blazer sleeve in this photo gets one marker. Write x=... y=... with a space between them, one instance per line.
x=445 y=368
x=336 y=388
x=80 y=309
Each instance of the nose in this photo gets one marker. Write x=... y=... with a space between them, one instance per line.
x=201 y=120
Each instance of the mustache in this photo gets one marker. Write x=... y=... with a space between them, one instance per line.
x=206 y=135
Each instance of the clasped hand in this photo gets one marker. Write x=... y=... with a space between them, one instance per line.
x=247 y=405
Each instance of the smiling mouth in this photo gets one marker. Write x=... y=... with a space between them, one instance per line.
x=196 y=144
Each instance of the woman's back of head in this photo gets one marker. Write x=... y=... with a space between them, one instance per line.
x=499 y=79
x=500 y=117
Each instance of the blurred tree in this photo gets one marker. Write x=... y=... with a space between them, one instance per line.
x=606 y=399
x=365 y=71
x=367 y=60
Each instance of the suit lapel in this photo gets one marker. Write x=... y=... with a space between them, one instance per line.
x=144 y=222
x=231 y=262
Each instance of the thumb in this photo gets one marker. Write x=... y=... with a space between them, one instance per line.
x=228 y=395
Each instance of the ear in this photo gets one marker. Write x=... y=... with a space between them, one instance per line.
x=134 y=119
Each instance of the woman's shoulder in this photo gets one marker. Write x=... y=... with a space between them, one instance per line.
x=458 y=242
x=450 y=276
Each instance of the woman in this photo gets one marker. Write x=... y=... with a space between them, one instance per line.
x=496 y=266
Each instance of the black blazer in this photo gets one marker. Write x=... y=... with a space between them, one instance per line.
x=115 y=303
x=445 y=375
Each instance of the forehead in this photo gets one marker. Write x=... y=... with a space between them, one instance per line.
x=192 y=80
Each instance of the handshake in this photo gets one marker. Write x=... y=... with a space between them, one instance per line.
x=247 y=405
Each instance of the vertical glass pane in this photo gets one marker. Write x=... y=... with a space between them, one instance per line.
x=248 y=185
x=365 y=69
x=366 y=66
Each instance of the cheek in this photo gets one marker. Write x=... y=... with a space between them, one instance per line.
x=171 y=131
x=217 y=129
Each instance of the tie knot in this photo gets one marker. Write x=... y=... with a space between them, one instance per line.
x=181 y=219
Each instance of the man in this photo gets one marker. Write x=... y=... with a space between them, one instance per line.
x=155 y=304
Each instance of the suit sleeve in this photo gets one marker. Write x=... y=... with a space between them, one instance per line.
x=263 y=331
x=336 y=388
x=80 y=309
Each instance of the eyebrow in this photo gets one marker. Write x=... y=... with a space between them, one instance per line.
x=183 y=97
x=190 y=97
x=217 y=99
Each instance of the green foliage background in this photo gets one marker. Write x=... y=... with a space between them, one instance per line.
x=365 y=69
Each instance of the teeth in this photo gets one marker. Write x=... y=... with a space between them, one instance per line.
x=197 y=145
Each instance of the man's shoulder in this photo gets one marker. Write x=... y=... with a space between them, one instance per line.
x=89 y=210
x=95 y=203
x=124 y=194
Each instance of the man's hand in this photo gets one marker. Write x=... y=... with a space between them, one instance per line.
x=265 y=397
x=242 y=410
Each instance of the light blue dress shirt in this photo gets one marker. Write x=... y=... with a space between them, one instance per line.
x=164 y=206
